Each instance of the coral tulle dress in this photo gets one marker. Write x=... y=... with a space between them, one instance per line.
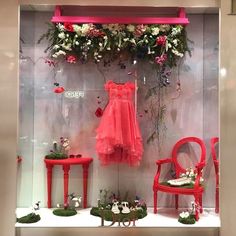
x=118 y=135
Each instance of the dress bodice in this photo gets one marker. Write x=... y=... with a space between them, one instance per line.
x=120 y=91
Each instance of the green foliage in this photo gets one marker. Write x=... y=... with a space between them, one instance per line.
x=188 y=221
x=64 y=212
x=56 y=156
x=28 y=219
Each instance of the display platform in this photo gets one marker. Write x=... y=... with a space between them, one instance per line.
x=165 y=218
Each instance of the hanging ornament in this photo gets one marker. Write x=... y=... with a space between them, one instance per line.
x=58 y=89
x=99 y=112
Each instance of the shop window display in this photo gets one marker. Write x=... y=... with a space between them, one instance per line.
x=120 y=95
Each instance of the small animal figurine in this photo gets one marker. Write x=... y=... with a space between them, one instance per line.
x=36 y=206
x=77 y=201
x=125 y=207
x=115 y=208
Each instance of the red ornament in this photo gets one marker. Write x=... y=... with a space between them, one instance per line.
x=161 y=40
x=59 y=90
x=68 y=27
x=99 y=112
x=71 y=59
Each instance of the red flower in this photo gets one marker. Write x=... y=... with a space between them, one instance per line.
x=68 y=27
x=71 y=59
x=99 y=112
x=95 y=33
x=59 y=90
x=161 y=40
x=161 y=59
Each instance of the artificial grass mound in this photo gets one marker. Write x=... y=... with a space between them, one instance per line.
x=188 y=221
x=140 y=213
x=28 y=219
x=64 y=212
x=56 y=156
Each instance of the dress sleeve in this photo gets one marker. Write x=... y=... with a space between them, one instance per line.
x=131 y=85
x=108 y=85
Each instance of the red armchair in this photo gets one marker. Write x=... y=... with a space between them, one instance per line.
x=214 y=141
x=196 y=190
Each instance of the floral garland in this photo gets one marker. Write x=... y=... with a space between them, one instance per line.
x=160 y=44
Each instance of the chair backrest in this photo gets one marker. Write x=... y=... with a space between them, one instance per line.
x=178 y=168
x=214 y=141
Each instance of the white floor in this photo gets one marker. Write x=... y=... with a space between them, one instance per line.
x=164 y=218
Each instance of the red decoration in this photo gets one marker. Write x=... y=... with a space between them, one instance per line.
x=66 y=163
x=161 y=59
x=161 y=40
x=49 y=62
x=59 y=90
x=68 y=27
x=71 y=59
x=197 y=190
x=99 y=112
x=214 y=141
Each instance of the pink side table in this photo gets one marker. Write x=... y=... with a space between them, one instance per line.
x=66 y=163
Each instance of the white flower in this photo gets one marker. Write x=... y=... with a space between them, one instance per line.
x=184 y=214
x=175 y=42
x=155 y=31
x=77 y=28
x=60 y=52
x=99 y=56
x=67 y=46
x=76 y=43
x=61 y=35
x=179 y=54
x=164 y=28
x=89 y=42
x=130 y=28
x=54 y=55
x=132 y=41
x=60 y=27
x=108 y=48
x=56 y=46
x=105 y=37
x=85 y=28
x=125 y=39
x=100 y=44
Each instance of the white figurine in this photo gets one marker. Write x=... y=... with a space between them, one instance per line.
x=77 y=201
x=125 y=207
x=36 y=206
x=115 y=208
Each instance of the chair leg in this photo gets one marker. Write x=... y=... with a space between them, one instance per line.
x=200 y=203
x=196 y=198
x=176 y=201
x=155 y=201
x=217 y=200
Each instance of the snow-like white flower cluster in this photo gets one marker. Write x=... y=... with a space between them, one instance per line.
x=177 y=53
x=184 y=214
x=155 y=31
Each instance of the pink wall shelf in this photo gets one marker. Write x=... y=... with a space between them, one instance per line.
x=179 y=19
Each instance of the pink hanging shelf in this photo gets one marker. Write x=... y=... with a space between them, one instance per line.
x=180 y=19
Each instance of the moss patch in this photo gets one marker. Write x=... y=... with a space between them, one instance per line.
x=56 y=156
x=28 y=219
x=140 y=213
x=188 y=221
x=64 y=212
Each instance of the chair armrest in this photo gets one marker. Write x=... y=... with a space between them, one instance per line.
x=163 y=161
x=159 y=163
